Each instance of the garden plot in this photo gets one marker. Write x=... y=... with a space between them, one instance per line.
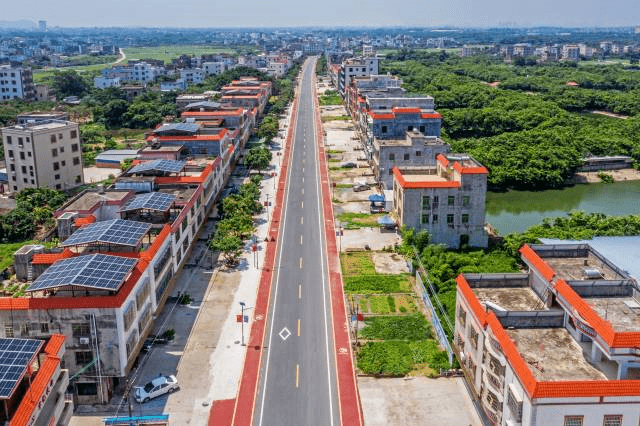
x=390 y=263
x=394 y=338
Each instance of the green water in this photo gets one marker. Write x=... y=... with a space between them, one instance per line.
x=515 y=211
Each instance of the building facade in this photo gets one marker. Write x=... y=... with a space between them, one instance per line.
x=43 y=154
x=557 y=345
x=447 y=200
x=16 y=83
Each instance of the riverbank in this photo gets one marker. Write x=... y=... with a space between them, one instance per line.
x=620 y=175
x=516 y=211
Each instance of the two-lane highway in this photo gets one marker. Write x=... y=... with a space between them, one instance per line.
x=297 y=384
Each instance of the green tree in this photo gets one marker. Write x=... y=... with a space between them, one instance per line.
x=258 y=158
x=230 y=246
x=18 y=225
x=68 y=83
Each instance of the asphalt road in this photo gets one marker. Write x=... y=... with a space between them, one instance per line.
x=297 y=378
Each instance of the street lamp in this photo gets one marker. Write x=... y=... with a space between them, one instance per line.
x=242 y=321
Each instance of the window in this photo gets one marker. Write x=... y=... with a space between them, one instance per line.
x=451 y=200
x=61 y=149
x=29 y=154
x=21 y=155
x=465 y=219
x=142 y=295
x=407 y=157
x=473 y=337
x=424 y=219
x=85 y=389
x=63 y=163
x=612 y=420
x=56 y=166
x=80 y=330
x=392 y=157
x=56 y=177
x=8 y=331
x=515 y=405
x=74 y=134
x=53 y=138
x=74 y=147
x=436 y=201
x=573 y=420
x=76 y=161
x=129 y=315
x=20 y=141
x=450 y=220
x=422 y=129
x=418 y=153
x=384 y=129
x=83 y=357
x=11 y=154
x=54 y=152
x=434 y=218
x=9 y=140
x=12 y=167
x=58 y=187
x=465 y=201
x=78 y=179
x=426 y=202
x=44 y=327
x=24 y=169
x=59 y=136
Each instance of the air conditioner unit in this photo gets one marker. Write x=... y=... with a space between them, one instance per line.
x=84 y=340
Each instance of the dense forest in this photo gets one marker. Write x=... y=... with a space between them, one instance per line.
x=529 y=127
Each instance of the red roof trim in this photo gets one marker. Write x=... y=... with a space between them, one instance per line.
x=442 y=160
x=431 y=115
x=40 y=383
x=55 y=345
x=235 y=112
x=481 y=170
x=406 y=110
x=424 y=184
x=467 y=293
x=50 y=258
x=83 y=221
x=382 y=116
x=537 y=262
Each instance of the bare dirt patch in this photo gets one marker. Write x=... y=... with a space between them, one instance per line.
x=390 y=263
x=617 y=175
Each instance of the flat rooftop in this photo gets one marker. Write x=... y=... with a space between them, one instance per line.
x=183 y=195
x=510 y=298
x=622 y=312
x=572 y=268
x=90 y=199
x=423 y=177
x=553 y=355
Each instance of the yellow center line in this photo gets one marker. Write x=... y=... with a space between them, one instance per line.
x=297 y=375
x=298 y=327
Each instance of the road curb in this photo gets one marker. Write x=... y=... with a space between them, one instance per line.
x=348 y=395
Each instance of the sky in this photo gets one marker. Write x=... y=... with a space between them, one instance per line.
x=327 y=13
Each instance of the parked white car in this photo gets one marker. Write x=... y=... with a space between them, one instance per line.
x=158 y=386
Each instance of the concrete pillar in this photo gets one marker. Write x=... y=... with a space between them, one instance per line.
x=596 y=354
x=623 y=366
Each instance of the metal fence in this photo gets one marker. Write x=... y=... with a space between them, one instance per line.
x=437 y=325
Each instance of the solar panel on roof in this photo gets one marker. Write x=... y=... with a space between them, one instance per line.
x=159 y=201
x=101 y=271
x=15 y=355
x=115 y=231
x=169 y=166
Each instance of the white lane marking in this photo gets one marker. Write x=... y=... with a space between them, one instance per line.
x=299 y=291
x=301 y=220
x=300 y=239
x=302 y=204
x=284 y=334
x=275 y=302
x=302 y=191
x=324 y=270
x=297 y=375
x=301 y=263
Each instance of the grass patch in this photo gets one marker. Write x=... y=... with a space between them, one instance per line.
x=343 y=185
x=334 y=151
x=380 y=305
x=330 y=99
x=334 y=160
x=398 y=358
x=364 y=305
x=167 y=53
x=376 y=284
x=408 y=327
x=358 y=263
x=391 y=301
x=8 y=249
x=359 y=220
x=336 y=118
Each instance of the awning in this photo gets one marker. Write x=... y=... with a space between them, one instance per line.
x=386 y=221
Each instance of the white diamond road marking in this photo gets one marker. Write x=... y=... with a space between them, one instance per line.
x=284 y=333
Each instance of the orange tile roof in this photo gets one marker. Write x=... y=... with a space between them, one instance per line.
x=83 y=221
x=382 y=116
x=480 y=170
x=424 y=184
x=537 y=262
x=35 y=396
x=442 y=160
x=215 y=137
x=406 y=110
x=240 y=97
x=50 y=258
x=234 y=112
x=430 y=115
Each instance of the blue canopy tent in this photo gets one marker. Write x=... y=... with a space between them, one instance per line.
x=376 y=198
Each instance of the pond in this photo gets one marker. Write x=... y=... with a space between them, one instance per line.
x=515 y=211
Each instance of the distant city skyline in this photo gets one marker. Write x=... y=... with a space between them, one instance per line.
x=327 y=13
